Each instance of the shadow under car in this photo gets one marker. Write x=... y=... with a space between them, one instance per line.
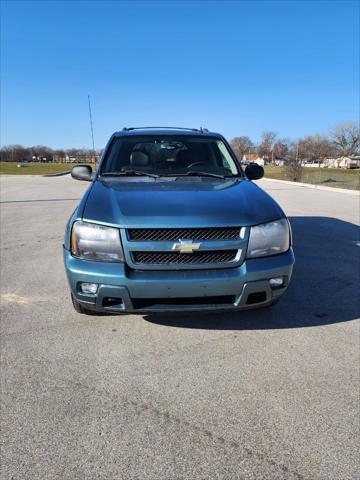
x=324 y=287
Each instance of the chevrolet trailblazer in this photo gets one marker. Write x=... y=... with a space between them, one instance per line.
x=171 y=222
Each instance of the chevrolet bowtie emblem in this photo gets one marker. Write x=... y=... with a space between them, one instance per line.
x=186 y=246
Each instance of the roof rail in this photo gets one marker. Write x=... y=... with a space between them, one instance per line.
x=201 y=129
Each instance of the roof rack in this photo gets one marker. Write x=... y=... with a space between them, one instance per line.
x=201 y=129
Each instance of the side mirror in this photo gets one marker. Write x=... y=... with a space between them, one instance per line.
x=82 y=172
x=253 y=171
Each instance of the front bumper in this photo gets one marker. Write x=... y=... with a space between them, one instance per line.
x=122 y=290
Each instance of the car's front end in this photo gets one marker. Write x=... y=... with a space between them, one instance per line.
x=158 y=243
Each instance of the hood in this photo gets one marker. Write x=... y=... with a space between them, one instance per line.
x=182 y=202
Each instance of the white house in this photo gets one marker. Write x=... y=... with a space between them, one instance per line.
x=342 y=162
x=349 y=162
x=253 y=158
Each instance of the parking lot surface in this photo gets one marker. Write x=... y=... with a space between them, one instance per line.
x=260 y=394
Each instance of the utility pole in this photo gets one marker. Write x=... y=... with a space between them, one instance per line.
x=91 y=127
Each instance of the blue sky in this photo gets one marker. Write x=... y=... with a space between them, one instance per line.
x=235 y=67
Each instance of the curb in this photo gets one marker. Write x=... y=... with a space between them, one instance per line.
x=57 y=174
x=316 y=187
x=14 y=175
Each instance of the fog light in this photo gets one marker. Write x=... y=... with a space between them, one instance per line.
x=276 y=282
x=89 y=287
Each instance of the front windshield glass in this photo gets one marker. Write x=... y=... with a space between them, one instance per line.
x=170 y=155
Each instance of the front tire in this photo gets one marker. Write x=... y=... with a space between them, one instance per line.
x=80 y=308
x=274 y=302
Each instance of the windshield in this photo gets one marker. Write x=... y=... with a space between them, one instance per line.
x=170 y=155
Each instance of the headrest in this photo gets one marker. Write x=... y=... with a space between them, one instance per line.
x=139 y=159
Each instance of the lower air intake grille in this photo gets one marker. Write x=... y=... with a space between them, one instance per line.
x=174 y=234
x=141 y=303
x=204 y=257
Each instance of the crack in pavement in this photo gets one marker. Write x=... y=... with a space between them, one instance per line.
x=140 y=407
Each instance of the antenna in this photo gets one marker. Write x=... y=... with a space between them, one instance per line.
x=91 y=127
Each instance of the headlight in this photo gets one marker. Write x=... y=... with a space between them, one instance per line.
x=269 y=239
x=96 y=242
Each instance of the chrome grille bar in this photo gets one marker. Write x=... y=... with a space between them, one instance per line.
x=198 y=258
x=175 y=234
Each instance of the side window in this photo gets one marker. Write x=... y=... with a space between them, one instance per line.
x=227 y=161
x=112 y=156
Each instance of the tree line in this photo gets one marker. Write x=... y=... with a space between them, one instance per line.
x=341 y=141
x=41 y=153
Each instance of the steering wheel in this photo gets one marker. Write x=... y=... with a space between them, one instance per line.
x=195 y=164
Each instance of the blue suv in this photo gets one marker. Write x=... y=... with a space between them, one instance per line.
x=171 y=222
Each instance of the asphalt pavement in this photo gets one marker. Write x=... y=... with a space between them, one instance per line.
x=262 y=394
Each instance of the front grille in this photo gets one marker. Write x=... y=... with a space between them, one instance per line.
x=176 y=258
x=169 y=234
x=142 y=303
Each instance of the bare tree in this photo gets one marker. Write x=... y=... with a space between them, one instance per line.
x=315 y=147
x=265 y=149
x=281 y=149
x=15 y=153
x=5 y=153
x=293 y=169
x=241 y=146
x=41 y=153
x=346 y=138
x=59 y=152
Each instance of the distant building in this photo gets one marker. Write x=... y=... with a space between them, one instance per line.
x=312 y=163
x=75 y=158
x=342 y=162
x=253 y=158
x=350 y=162
x=279 y=162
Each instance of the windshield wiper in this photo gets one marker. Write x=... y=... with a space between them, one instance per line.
x=129 y=173
x=195 y=174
